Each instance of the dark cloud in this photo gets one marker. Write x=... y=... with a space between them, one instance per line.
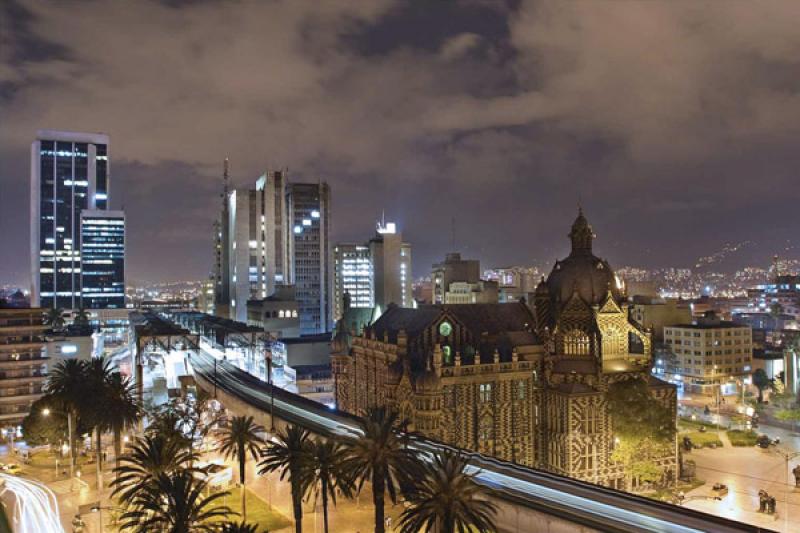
x=673 y=123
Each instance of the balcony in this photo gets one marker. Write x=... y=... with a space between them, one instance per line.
x=17 y=380
x=27 y=397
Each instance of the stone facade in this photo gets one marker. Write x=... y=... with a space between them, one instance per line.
x=524 y=384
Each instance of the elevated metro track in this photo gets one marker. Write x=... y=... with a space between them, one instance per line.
x=523 y=490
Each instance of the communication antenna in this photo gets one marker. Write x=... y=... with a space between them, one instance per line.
x=453 y=233
x=776 y=267
x=225 y=179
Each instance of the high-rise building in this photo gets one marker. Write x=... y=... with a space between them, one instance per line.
x=377 y=273
x=352 y=275
x=391 y=267
x=256 y=256
x=220 y=274
x=270 y=236
x=102 y=248
x=69 y=173
x=309 y=253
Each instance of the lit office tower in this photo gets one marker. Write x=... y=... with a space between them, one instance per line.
x=103 y=259
x=255 y=250
x=69 y=173
x=353 y=275
x=391 y=267
x=309 y=252
x=377 y=273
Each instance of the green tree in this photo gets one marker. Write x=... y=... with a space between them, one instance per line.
x=241 y=437
x=380 y=455
x=175 y=503
x=287 y=454
x=54 y=318
x=81 y=317
x=148 y=458
x=324 y=473
x=448 y=500
x=644 y=429
x=762 y=382
x=39 y=429
x=67 y=385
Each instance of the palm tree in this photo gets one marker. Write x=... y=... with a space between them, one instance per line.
x=122 y=402
x=148 y=457
x=98 y=377
x=240 y=438
x=54 y=318
x=67 y=384
x=323 y=473
x=175 y=503
x=446 y=500
x=380 y=454
x=238 y=527
x=286 y=453
x=81 y=317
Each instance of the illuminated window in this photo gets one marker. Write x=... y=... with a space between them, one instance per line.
x=485 y=391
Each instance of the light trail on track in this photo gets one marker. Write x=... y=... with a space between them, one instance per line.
x=595 y=506
x=31 y=506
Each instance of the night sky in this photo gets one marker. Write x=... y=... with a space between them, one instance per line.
x=675 y=124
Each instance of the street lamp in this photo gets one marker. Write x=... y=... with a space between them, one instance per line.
x=46 y=412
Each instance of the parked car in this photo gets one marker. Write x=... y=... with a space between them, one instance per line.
x=763 y=441
x=11 y=468
x=719 y=490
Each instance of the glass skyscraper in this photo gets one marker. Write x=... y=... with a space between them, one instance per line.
x=69 y=174
x=103 y=259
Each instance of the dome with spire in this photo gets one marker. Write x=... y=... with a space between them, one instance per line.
x=581 y=272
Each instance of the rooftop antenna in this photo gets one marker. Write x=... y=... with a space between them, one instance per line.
x=453 y=233
x=225 y=179
x=776 y=267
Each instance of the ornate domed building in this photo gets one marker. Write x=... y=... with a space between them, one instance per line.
x=525 y=384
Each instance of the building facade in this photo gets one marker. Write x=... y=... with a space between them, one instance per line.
x=69 y=174
x=453 y=269
x=514 y=283
x=352 y=275
x=711 y=354
x=377 y=273
x=102 y=243
x=23 y=362
x=525 y=384
x=309 y=253
x=277 y=314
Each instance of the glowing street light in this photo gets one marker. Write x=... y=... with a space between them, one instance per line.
x=46 y=412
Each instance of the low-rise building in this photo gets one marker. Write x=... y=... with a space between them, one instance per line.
x=656 y=313
x=711 y=353
x=482 y=292
x=277 y=314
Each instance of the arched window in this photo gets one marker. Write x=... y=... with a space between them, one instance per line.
x=576 y=342
x=614 y=342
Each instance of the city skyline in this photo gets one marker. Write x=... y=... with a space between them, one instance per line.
x=488 y=134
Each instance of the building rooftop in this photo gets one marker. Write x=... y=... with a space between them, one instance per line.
x=714 y=325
